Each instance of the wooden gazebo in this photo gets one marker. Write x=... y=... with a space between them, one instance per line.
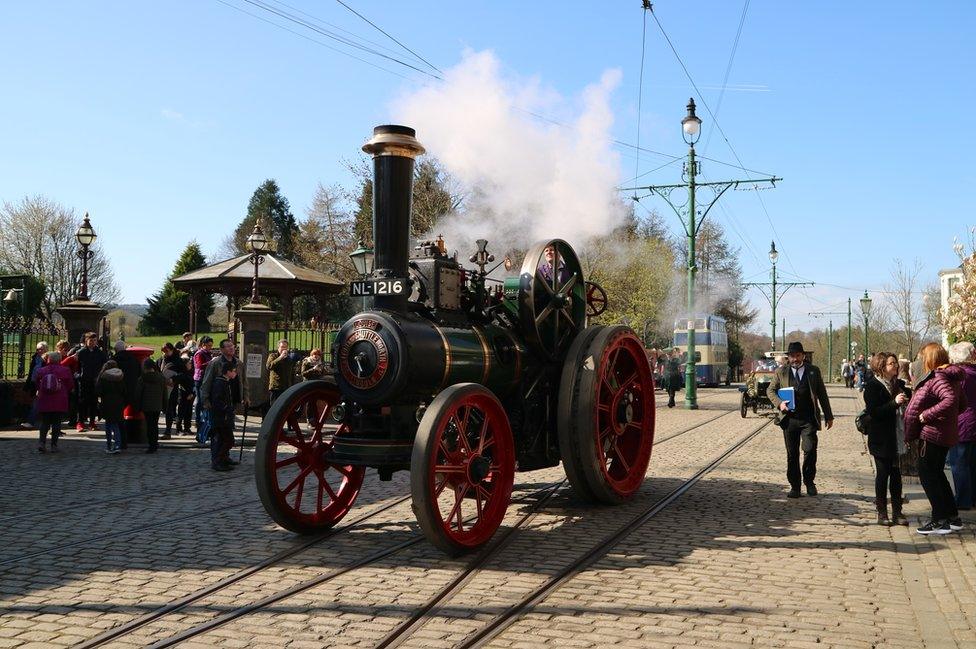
x=277 y=277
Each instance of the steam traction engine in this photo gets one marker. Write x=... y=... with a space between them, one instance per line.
x=462 y=380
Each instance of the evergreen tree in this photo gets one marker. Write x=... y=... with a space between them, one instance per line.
x=271 y=209
x=169 y=309
x=434 y=196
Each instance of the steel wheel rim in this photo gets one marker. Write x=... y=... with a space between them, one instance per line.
x=304 y=484
x=624 y=415
x=472 y=469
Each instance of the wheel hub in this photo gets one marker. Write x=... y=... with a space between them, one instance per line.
x=624 y=412
x=478 y=468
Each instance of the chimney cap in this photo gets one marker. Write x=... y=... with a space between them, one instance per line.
x=394 y=140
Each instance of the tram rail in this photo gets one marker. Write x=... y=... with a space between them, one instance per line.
x=544 y=495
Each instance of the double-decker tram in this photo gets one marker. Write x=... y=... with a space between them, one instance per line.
x=711 y=347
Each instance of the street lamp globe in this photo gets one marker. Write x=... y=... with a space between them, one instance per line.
x=773 y=255
x=866 y=304
x=256 y=241
x=86 y=233
x=362 y=259
x=691 y=124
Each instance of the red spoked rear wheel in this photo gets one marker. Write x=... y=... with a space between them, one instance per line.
x=463 y=468
x=302 y=490
x=606 y=414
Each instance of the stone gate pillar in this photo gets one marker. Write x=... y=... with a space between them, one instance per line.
x=255 y=322
x=81 y=316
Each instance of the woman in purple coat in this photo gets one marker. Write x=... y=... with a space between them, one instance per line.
x=54 y=382
x=962 y=457
x=932 y=417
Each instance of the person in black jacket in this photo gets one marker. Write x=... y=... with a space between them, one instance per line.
x=884 y=398
x=90 y=361
x=222 y=406
x=131 y=371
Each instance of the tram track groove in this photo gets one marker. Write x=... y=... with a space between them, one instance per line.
x=544 y=495
x=183 y=602
x=504 y=620
x=403 y=632
x=417 y=619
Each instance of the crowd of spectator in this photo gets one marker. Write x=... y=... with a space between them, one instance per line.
x=925 y=410
x=190 y=387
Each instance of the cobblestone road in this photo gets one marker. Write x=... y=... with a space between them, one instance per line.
x=93 y=541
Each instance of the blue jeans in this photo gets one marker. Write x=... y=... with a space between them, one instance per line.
x=962 y=461
x=203 y=425
x=113 y=435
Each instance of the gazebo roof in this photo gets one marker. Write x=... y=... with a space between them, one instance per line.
x=275 y=277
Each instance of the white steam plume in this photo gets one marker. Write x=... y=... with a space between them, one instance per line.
x=524 y=180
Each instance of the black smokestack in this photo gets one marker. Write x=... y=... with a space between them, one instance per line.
x=393 y=149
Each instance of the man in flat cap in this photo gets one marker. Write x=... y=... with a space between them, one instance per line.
x=801 y=423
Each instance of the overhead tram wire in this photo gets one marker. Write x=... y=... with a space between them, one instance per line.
x=341 y=39
x=326 y=23
x=728 y=69
x=330 y=35
x=718 y=126
x=640 y=86
x=315 y=40
x=732 y=220
x=387 y=34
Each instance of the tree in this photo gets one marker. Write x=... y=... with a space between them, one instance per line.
x=327 y=235
x=39 y=240
x=959 y=318
x=435 y=194
x=907 y=310
x=169 y=309
x=636 y=274
x=719 y=282
x=268 y=207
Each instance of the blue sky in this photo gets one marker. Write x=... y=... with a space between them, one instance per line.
x=161 y=119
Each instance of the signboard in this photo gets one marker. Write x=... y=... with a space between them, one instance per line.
x=253 y=370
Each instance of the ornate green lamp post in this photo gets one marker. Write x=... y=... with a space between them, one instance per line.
x=866 y=310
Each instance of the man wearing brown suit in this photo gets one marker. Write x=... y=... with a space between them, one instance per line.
x=800 y=425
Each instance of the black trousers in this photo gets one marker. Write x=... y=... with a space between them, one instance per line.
x=172 y=403
x=887 y=474
x=152 y=429
x=50 y=421
x=799 y=434
x=931 y=473
x=674 y=385
x=87 y=402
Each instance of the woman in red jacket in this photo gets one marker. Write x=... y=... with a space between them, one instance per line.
x=932 y=416
x=54 y=381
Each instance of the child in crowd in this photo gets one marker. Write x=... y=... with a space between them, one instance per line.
x=222 y=416
x=110 y=389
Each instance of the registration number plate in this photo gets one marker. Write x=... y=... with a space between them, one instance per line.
x=378 y=287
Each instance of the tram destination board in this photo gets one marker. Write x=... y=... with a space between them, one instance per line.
x=390 y=286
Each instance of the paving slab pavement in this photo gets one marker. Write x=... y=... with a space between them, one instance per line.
x=731 y=563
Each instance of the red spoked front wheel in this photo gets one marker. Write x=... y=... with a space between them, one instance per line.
x=606 y=418
x=463 y=468
x=302 y=490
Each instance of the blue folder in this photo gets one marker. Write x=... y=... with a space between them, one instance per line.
x=787 y=395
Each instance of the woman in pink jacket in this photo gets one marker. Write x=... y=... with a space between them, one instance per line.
x=932 y=417
x=54 y=382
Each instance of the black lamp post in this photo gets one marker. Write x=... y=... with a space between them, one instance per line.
x=86 y=237
x=362 y=260
x=866 y=310
x=257 y=243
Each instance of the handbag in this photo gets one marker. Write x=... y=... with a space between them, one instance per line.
x=862 y=421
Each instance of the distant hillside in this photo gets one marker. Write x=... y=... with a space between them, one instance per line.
x=134 y=309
